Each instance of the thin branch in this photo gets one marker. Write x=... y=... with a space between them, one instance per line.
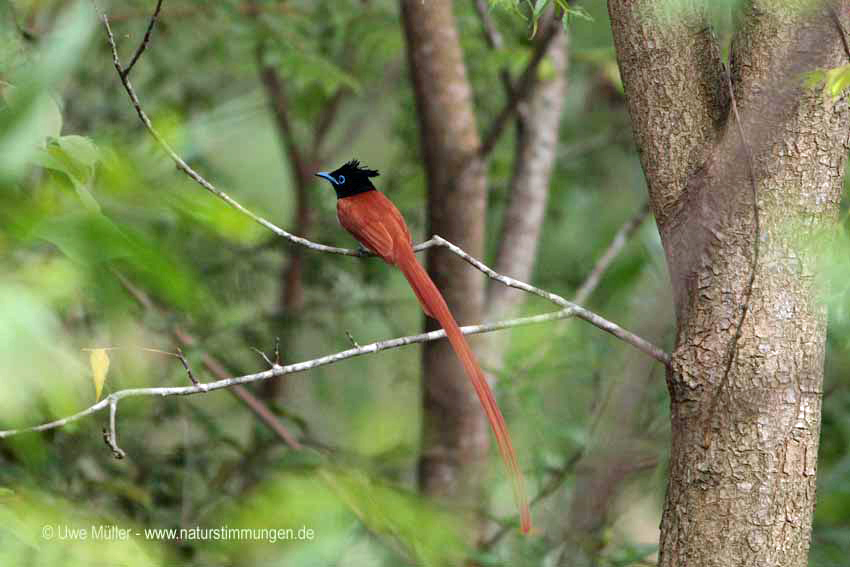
x=521 y=90
x=602 y=264
x=580 y=312
x=288 y=369
x=185 y=363
x=217 y=368
x=491 y=34
x=555 y=481
x=197 y=177
x=262 y=354
x=111 y=435
x=144 y=44
x=351 y=339
x=595 y=276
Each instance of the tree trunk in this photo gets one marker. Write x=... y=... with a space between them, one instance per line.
x=745 y=381
x=291 y=286
x=537 y=126
x=291 y=281
x=538 y=122
x=456 y=437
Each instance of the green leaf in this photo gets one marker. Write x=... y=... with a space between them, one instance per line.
x=82 y=150
x=538 y=8
x=838 y=80
x=86 y=238
x=310 y=67
x=76 y=157
x=835 y=80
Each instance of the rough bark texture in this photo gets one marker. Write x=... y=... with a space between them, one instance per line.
x=742 y=478
x=456 y=436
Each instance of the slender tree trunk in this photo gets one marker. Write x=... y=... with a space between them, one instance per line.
x=746 y=377
x=456 y=436
x=537 y=127
x=538 y=122
x=291 y=288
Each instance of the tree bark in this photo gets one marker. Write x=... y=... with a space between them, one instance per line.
x=291 y=281
x=291 y=293
x=537 y=126
x=750 y=330
x=538 y=122
x=456 y=437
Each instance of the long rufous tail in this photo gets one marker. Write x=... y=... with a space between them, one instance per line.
x=435 y=306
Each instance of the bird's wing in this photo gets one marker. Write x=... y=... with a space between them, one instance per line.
x=367 y=226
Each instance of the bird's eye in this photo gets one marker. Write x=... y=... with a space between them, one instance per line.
x=340 y=179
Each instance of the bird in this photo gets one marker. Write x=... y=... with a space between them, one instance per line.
x=378 y=225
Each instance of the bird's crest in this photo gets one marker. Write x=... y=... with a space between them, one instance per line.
x=354 y=166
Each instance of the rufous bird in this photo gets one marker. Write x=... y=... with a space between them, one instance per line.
x=378 y=225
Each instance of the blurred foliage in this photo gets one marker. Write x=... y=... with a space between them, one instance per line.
x=94 y=220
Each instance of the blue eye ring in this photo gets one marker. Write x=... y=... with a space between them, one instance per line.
x=340 y=180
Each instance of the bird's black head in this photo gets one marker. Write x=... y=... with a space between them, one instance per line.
x=350 y=179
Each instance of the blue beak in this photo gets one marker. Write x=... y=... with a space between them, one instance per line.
x=327 y=176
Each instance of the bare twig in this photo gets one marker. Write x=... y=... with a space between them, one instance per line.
x=491 y=34
x=570 y=310
x=521 y=89
x=617 y=243
x=351 y=339
x=197 y=177
x=111 y=435
x=144 y=44
x=593 y=279
x=266 y=358
x=185 y=363
x=217 y=368
x=596 y=320
x=287 y=369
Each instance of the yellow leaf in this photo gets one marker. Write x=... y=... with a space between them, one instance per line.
x=99 y=367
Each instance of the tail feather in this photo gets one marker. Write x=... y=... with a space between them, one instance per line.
x=435 y=306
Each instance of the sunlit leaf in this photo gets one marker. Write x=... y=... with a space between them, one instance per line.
x=99 y=361
x=88 y=238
